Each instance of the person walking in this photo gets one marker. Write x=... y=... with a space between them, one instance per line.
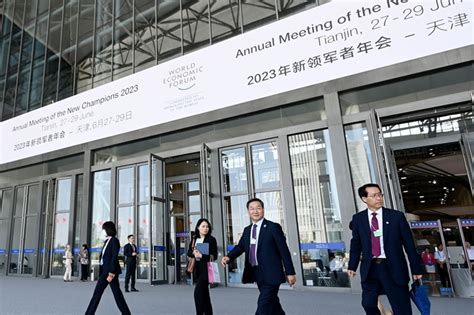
x=109 y=271
x=131 y=256
x=68 y=263
x=202 y=235
x=266 y=253
x=440 y=257
x=381 y=235
x=84 y=260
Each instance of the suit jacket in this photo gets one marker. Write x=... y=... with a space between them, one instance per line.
x=127 y=252
x=201 y=265
x=396 y=237
x=272 y=255
x=110 y=258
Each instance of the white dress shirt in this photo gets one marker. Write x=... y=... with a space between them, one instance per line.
x=380 y=221
x=103 y=250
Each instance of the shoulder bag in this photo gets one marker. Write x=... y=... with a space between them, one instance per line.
x=191 y=261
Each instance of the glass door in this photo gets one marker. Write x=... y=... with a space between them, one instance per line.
x=24 y=243
x=158 y=245
x=184 y=204
x=6 y=199
x=61 y=224
x=247 y=171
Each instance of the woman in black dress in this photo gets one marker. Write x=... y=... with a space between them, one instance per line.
x=202 y=234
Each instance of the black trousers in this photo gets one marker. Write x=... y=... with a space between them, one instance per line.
x=99 y=290
x=379 y=280
x=131 y=268
x=84 y=272
x=202 y=298
x=443 y=275
x=268 y=301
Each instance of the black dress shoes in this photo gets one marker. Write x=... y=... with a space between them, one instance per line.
x=126 y=290
x=134 y=290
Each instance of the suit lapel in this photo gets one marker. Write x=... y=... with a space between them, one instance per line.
x=386 y=226
x=261 y=235
x=366 y=228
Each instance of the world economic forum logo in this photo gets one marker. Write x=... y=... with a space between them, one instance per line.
x=183 y=77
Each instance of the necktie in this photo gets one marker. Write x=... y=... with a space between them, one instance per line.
x=376 y=250
x=253 y=247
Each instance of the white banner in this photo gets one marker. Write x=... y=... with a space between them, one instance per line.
x=334 y=40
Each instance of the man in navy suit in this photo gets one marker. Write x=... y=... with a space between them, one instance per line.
x=109 y=270
x=266 y=253
x=131 y=254
x=380 y=234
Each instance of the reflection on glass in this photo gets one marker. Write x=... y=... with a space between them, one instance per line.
x=193 y=186
x=31 y=239
x=5 y=203
x=15 y=246
x=320 y=228
x=100 y=213
x=194 y=203
x=237 y=220
x=234 y=171
x=273 y=207
x=60 y=237
x=3 y=244
x=360 y=158
x=265 y=165
x=143 y=184
x=125 y=223
x=19 y=199
x=159 y=258
x=143 y=241
x=78 y=214
x=33 y=200
x=126 y=185
x=63 y=195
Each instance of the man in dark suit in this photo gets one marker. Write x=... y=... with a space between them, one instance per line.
x=131 y=254
x=109 y=270
x=380 y=235
x=266 y=253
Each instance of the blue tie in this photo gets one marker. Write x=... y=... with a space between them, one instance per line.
x=253 y=247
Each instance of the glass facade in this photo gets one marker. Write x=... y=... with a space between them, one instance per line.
x=304 y=152
x=52 y=49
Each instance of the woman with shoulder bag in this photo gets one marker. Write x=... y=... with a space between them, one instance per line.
x=202 y=234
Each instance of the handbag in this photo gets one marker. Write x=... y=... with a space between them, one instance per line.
x=420 y=298
x=191 y=261
x=213 y=275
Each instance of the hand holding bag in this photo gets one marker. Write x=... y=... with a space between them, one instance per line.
x=191 y=261
x=420 y=298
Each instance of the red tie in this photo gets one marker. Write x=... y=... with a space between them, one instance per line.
x=376 y=250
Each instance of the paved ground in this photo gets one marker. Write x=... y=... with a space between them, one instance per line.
x=53 y=296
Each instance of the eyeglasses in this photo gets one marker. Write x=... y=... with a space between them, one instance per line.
x=378 y=195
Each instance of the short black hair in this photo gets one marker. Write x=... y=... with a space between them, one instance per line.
x=363 y=192
x=109 y=228
x=196 y=229
x=257 y=200
x=128 y=237
x=85 y=246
